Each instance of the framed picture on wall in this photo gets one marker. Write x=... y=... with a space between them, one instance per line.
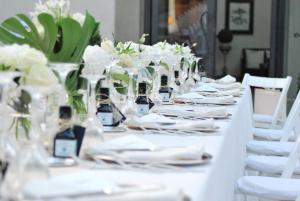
x=239 y=16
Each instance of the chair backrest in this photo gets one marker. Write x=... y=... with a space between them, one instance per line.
x=292 y=118
x=274 y=83
x=292 y=160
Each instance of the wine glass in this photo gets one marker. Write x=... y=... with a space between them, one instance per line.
x=130 y=108
x=63 y=70
x=32 y=158
x=7 y=145
x=93 y=73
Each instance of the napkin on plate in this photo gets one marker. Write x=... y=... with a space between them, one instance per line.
x=191 y=95
x=162 y=195
x=205 y=88
x=231 y=86
x=79 y=183
x=177 y=125
x=191 y=111
x=228 y=79
x=215 y=100
x=232 y=92
x=129 y=142
x=193 y=152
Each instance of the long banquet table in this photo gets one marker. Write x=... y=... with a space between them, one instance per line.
x=214 y=181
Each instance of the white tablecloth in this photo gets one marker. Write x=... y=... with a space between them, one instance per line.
x=216 y=180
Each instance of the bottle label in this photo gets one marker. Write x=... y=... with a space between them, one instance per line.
x=142 y=109
x=165 y=97
x=106 y=119
x=65 y=148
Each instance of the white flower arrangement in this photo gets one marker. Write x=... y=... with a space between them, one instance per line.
x=96 y=60
x=31 y=62
x=57 y=9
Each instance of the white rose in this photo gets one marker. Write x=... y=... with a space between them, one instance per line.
x=40 y=76
x=96 y=60
x=79 y=17
x=126 y=61
x=29 y=57
x=108 y=46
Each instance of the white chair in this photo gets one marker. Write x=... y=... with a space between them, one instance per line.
x=282 y=148
x=283 y=188
x=279 y=113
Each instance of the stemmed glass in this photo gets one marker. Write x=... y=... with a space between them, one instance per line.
x=32 y=158
x=93 y=73
x=63 y=70
x=7 y=147
x=129 y=109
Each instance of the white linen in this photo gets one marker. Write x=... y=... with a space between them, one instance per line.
x=85 y=183
x=215 y=181
x=233 y=92
x=177 y=125
x=270 y=147
x=176 y=153
x=82 y=182
x=215 y=100
x=228 y=79
x=269 y=187
x=191 y=111
x=191 y=95
x=236 y=85
x=205 y=88
x=126 y=142
x=268 y=164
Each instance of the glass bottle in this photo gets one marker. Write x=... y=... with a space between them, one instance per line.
x=65 y=142
x=105 y=108
x=142 y=100
x=165 y=91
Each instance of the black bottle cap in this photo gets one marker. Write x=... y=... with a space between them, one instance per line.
x=104 y=93
x=164 y=80
x=142 y=88
x=176 y=74
x=65 y=112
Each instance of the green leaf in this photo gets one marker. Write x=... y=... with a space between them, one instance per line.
x=89 y=28
x=50 y=33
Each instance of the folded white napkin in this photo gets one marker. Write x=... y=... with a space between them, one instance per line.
x=233 y=92
x=231 y=86
x=215 y=100
x=163 y=195
x=190 y=111
x=228 y=79
x=177 y=125
x=193 y=152
x=126 y=142
x=155 y=118
x=205 y=88
x=82 y=182
x=191 y=95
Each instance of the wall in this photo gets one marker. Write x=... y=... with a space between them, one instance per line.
x=259 y=39
x=103 y=11
x=129 y=20
x=292 y=61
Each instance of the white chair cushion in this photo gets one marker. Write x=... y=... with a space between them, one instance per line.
x=254 y=58
x=269 y=187
x=268 y=164
x=270 y=148
x=269 y=134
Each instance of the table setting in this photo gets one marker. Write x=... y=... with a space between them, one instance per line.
x=112 y=121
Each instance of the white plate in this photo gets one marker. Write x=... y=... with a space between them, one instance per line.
x=206 y=157
x=61 y=162
x=110 y=129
